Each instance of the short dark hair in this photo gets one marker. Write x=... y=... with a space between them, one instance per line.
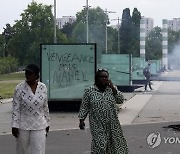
x=33 y=68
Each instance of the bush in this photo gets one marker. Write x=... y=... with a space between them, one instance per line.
x=8 y=65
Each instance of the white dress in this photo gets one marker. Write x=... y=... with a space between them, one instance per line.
x=30 y=115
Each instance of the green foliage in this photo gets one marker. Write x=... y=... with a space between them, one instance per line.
x=8 y=64
x=35 y=27
x=125 y=32
x=173 y=40
x=97 y=21
x=79 y=33
x=129 y=32
x=97 y=16
x=135 y=39
x=112 y=40
x=154 y=44
x=1 y=46
x=7 y=35
x=136 y=16
x=68 y=29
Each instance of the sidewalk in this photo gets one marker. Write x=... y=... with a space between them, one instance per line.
x=130 y=110
x=142 y=115
x=59 y=120
x=134 y=110
x=160 y=105
x=8 y=100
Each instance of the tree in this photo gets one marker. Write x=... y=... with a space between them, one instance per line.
x=7 y=35
x=36 y=26
x=173 y=40
x=113 y=40
x=97 y=16
x=79 y=33
x=154 y=44
x=135 y=39
x=68 y=30
x=125 y=32
x=97 y=22
x=129 y=32
x=1 y=46
x=173 y=48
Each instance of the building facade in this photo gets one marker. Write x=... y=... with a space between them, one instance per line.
x=149 y=24
x=174 y=24
x=60 y=22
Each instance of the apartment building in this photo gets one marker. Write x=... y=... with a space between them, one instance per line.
x=174 y=24
x=60 y=22
x=149 y=24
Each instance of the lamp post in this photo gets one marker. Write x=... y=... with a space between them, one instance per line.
x=87 y=21
x=107 y=12
x=118 y=33
x=55 y=38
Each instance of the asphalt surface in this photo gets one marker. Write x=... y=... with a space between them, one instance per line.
x=150 y=122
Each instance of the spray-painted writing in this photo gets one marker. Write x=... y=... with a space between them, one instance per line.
x=68 y=68
x=69 y=57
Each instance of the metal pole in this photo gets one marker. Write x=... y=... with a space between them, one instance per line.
x=106 y=12
x=87 y=20
x=118 y=37
x=130 y=69
x=118 y=30
x=106 y=38
x=106 y=30
x=55 y=39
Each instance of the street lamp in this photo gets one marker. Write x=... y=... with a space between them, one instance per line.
x=55 y=39
x=87 y=20
x=107 y=12
x=118 y=33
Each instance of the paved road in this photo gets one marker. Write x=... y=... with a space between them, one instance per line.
x=78 y=142
x=59 y=120
x=146 y=119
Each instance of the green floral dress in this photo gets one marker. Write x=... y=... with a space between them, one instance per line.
x=107 y=135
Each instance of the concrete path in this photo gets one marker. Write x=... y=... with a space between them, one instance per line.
x=131 y=109
x=142 y=115
x=59 y=120
x=160 y=105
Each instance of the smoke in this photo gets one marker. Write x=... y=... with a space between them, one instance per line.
x=174 y=58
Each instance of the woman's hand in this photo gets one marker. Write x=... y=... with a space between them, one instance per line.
x=15 y=132
x=110 y=84
x=81 y=124
x=47 y=130
x=112 y=87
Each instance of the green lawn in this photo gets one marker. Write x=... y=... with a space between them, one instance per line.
x=8 y=83
x=12 y=76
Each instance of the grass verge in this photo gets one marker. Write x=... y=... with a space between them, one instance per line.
x=12 y=76
x=8 y=83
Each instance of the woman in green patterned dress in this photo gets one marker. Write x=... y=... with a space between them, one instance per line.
x=99 y=101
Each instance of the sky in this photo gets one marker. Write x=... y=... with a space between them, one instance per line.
x=10 y=10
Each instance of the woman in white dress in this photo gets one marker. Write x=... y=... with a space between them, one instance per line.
x=30 y=114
